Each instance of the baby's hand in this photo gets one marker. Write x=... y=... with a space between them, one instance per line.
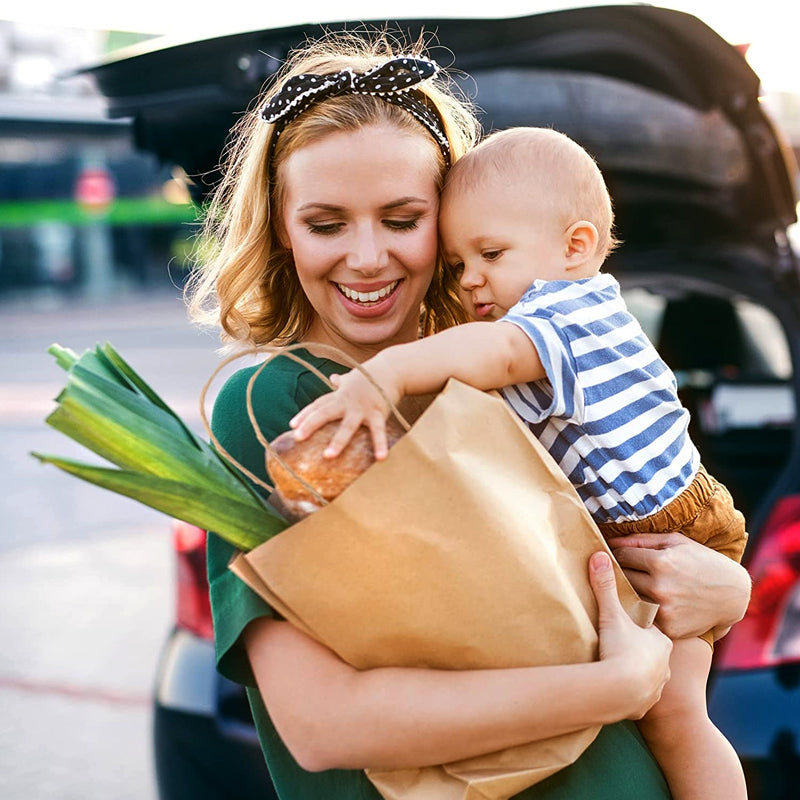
x=356 y=402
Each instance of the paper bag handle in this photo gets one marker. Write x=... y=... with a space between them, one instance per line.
x=285 y=350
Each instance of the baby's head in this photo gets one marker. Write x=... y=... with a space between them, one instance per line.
x=525 y=204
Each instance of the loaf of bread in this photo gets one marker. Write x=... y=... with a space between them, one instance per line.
x=329 y=476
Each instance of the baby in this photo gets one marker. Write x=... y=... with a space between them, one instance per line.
x=526 y=221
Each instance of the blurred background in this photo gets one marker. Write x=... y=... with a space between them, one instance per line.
x=83 y=215
x=94 y=245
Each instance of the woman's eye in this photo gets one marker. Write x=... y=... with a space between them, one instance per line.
x=324 y=228
x=402 y=224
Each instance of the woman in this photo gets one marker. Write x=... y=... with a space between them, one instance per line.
x=326 y=232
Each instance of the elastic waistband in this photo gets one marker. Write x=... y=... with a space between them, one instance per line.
x=678 y=513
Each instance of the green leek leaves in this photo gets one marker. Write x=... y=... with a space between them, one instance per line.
x=106 y=407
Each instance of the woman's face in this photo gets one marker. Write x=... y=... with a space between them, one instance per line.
x=360 y=216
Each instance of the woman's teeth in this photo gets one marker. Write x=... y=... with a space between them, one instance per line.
x=367 y=297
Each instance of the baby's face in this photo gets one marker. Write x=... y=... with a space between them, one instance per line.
x=499 y=245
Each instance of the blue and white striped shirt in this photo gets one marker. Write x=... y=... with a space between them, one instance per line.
x=608 y=410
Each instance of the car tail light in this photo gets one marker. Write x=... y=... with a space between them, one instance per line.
x=769 y=634
x=193 y=607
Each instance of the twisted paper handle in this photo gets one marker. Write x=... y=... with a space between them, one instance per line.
x=285 y=350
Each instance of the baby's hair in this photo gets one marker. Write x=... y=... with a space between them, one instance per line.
x=547 y=166
x=244 y=278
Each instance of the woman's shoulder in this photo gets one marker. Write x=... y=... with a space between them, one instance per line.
x=280 y=388
x=277 y=376
x=278 y=373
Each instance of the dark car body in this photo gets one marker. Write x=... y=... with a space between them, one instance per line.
x=704 y=195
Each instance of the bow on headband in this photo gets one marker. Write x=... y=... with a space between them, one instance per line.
x=393 y=81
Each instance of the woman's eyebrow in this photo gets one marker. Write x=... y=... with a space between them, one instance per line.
x=321 y=206
x=402 y=201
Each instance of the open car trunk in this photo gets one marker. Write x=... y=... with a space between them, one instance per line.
x=703 y=187
x=668 y=108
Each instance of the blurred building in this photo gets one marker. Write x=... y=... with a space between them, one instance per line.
x=80 y=210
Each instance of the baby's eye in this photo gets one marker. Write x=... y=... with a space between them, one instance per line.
x=457 y=269
x=491 y=255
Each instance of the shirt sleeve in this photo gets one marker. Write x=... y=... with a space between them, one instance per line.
x=278 y=393
x=233 y=605
x=559 y=395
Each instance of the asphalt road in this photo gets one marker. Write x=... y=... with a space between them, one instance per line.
x=86 y=583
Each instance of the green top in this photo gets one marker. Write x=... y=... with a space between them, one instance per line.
x=617 y=766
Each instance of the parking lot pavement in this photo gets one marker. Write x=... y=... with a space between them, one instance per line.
x=82 y=623
x=154 y=335
x=86 y=576
x=56 y=748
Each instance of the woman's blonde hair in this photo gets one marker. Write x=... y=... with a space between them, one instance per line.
x=244 y=278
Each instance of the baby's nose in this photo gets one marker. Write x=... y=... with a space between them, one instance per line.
x=471 y=278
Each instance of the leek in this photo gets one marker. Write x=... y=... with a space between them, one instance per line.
x=156 y=458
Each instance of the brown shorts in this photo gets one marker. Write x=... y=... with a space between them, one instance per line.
x=703 y=511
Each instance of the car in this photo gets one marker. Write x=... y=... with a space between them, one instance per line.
x=704 y=191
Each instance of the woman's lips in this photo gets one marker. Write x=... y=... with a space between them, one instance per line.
x=366 y=293
x=358 y=298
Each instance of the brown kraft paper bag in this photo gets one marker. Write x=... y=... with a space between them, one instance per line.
x=467 y=548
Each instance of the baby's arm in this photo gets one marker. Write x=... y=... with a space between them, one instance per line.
x=480 y=355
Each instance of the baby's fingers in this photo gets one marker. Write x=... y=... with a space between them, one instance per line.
x=312 y=409
x=298 y=419
x=380 y=443
x=316 y=415
x=344 y=433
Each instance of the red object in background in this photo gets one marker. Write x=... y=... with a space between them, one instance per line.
x=193 y=607
x=769 y=633
x=94 y=188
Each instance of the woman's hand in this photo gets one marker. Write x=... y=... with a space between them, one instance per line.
x=639 y=656
x=696 y=587
x=331 y=715
x=355 y=401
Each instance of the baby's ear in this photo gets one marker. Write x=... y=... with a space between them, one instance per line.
x=581 y=240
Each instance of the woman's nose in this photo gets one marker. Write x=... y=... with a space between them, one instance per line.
x=368 y=253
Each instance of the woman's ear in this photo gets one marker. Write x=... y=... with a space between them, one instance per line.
x=283 y=237
x=581 y=243
x=279 y=230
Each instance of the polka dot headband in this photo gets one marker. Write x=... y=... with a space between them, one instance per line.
x=392 y=81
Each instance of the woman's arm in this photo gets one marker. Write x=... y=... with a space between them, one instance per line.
x=330 y=715
x=697 y=588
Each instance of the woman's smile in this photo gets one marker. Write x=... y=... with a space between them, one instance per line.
x=369 y=300
x=360 y=218
x=367 y=294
